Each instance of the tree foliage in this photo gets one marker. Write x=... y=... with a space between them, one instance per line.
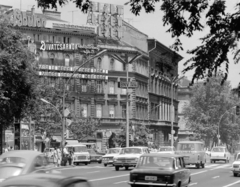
x=83 y=128
x=207 y=110
x=139 y=132
x=18 y=78
x=184 y=18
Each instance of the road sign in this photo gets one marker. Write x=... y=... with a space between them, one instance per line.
x=131 y=84
x=218 y=136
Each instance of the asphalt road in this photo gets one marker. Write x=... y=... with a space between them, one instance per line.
x=213 y=175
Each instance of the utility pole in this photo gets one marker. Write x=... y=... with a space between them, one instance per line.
x=73 y=15
x=127 y=62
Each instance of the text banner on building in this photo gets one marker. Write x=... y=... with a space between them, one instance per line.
x=130 y=84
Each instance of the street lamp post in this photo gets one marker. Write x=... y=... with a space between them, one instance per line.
x=218 y=135
x=64 y=91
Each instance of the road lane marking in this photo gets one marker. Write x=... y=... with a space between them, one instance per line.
x=192 y=184
x=93 y=172
x=120 y=182
x=199 y=172
x=220 y=167
x=83 y=167
x=232 y=184
x=212 y=165
x=101 y=179
x=215 y=177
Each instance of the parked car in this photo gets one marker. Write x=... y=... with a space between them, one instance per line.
x=193 y=152
x=160 y=170
x=108 y=158
x=167 y=149
x=95 y=156
x=236 y=166
x=128 y=157
x=43 y=180
x=21 y=162
x=219 y=153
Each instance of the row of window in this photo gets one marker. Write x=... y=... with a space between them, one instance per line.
x=161 y=88
x=57 y=39
x=141 y=67
x=142 y=89
x=99 y=111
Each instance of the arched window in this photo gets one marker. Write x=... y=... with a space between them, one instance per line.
x=67 y=60
x=99 y=63
x=52 y=56
x=111 y=64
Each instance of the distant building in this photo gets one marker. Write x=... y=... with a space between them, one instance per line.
x=184 y=96
x=94 y=91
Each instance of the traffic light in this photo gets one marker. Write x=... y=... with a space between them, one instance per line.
x=237 y=110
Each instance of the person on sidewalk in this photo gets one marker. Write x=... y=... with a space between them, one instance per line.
x=65 y=156
x=55 y=157
x=70 y=158
x=59 y=157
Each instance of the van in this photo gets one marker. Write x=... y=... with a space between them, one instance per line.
x=193 y=153
x=81 y=154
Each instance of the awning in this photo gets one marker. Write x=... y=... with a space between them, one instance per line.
x=57 y=138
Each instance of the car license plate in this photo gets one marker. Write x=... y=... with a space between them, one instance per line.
x=150 y=178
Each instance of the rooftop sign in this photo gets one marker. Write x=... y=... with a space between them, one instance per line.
x=29 y=20
x=108 y=18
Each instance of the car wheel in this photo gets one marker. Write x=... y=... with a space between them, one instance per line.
x=105 y=165
x=86 y=163
x=116 y=168
x=99 y=162
x=211 y=161
x=126 y=167
x=198 y=166
x=203 y=165
x=235 y=174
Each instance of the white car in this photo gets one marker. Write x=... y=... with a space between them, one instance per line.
x=219 y=154
x=236 y=166
x=108 y=158
x=167 y=149
x=129 y=157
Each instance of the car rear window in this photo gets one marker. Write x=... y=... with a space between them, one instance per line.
x=217 y=149
x=131 y=151
x=159 y=162
x=186 y=147
x=6 y=172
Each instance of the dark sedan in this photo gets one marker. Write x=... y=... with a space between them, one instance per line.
x=95 y=156
x=20 y=162
x=160 y=170
x=45 y=180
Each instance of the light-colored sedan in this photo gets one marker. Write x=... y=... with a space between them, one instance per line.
x=167 y=150
x=21 y=162
x=219 y=153
x=111 y=153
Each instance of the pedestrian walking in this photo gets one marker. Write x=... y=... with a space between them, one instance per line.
x=55 y=157
x=70 y=157
x=59 y=153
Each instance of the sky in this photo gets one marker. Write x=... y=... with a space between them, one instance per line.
x=150 y=24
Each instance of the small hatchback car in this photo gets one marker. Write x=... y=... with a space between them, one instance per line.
x=236 y=166
x=160 y=170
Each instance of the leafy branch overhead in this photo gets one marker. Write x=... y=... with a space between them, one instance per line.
x=184 y=18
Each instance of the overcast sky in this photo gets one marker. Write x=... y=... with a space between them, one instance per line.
x=150 y=24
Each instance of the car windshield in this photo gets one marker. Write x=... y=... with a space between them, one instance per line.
x=186 y=147
x=155 y=162
x=78 y=149
x=113 y=151
x=217 y=149
x=238 y=157
x=13 y=160
x=166 y=149
x=6 y=172
x=131 y=151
